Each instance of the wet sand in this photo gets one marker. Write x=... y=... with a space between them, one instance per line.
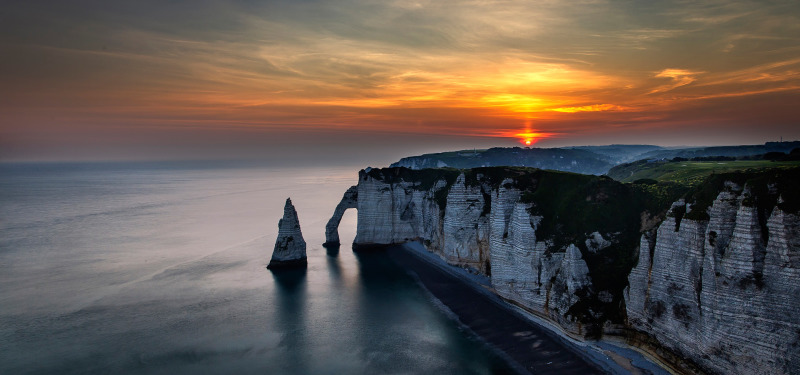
x=528 y=346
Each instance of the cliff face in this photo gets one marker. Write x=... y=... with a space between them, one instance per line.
x=466 y=226
x=482 y=224
x=398 y=212
x=714 y=282
x=721 y=291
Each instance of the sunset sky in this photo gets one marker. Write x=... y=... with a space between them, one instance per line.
x=204 y=79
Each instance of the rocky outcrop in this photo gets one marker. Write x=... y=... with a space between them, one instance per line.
x=571 y=283
x=719 y=291
x=290 y=247
x=349 y=200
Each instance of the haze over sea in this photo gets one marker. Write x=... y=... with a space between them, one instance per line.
x=159 y=268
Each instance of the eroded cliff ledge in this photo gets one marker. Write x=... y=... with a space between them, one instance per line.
x=711 y=283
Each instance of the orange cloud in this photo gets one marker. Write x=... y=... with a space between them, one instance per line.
x=479 y=68
x=589 y=108
x=679 y=77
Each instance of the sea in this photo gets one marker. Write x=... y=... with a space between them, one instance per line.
x=160 y=268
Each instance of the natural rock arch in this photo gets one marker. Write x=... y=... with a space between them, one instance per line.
x=349 y=200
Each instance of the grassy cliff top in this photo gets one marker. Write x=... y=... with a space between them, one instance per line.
x=690 y=173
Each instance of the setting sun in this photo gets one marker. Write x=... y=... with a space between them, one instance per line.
x=528 y=138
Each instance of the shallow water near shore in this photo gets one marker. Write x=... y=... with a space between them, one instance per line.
x=159 y=268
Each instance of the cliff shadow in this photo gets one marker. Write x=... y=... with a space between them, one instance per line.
x=381 y=284
x=290 y=280
x=332 y=249
x=334 y=265
x=290 y=318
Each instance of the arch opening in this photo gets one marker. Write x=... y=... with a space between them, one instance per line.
x=349 y=200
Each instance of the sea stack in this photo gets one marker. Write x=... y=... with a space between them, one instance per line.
x=290 y=247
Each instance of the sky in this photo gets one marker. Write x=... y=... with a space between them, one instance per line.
x=372 y=81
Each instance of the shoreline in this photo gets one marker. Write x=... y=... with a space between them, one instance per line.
x=511 y=327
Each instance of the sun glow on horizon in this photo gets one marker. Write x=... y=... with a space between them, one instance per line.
x=529 y=138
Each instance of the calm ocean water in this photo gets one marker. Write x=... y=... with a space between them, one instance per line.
x=159 y=268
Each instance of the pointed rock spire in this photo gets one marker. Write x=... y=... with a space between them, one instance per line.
x=290 y=247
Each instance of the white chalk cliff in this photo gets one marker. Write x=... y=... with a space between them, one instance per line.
x=290 y=247
x=719 y=291
x=488 y=230
x=720 y=294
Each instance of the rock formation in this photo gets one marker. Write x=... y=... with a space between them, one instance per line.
x=349 y=200
x=482 y=225
x=290 y=247
x=714 y=288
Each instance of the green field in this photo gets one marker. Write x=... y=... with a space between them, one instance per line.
x=689 y=172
